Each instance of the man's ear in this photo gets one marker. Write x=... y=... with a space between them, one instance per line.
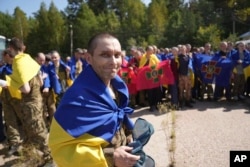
x=88 y=57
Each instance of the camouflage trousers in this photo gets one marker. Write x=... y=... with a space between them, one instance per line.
x=239 y=84
x=34 y=126
x=13 y=120
x=185 y=87
x=49 y=107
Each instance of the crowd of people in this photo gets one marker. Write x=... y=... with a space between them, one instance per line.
x=190 y=83
x=37 y=93
x=33 y=95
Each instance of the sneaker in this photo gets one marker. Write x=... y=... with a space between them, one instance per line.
x=153 y=109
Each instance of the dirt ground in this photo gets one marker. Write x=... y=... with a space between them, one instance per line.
x=198 y=137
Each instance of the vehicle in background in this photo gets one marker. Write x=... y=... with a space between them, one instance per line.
x=246 y=42
x=3 y=45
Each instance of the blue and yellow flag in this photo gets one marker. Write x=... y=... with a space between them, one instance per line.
x=245 y=62
x=87 y=119
x=24 y=69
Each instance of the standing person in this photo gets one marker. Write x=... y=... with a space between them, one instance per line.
x=2 y=126
x=222 y=82
x=207 y=87
x=49 y=107
x=241 y=59
x=77 y=63
x=154 y=94
x=185 y=84
x=29 y=83
x=59 y=73
x=11 y=108
x=134 y=65
x=173 y=88
x=91 y=126
x=230 y=49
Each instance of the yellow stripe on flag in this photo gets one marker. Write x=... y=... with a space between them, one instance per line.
x=67 y=151
x=24 y=69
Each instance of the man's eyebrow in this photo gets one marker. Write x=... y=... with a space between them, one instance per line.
x=108 y=51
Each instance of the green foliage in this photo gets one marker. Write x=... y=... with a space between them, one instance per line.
x=131 y=42
x=209 y=34
x=232 y=38
x=56 y=32
x=5 y=26
x=108 y=22
x=164 y=23
x=157 y=18
x=173 y=29
x=85 y=26
x=48 y=32
x=21 y=24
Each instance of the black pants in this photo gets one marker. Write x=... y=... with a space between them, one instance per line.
x=2 y=128
x=154 y=96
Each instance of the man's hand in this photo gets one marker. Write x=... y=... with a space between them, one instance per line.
x=123 y=157
x=45 y=90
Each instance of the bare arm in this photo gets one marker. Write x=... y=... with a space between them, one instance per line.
x=25 y=88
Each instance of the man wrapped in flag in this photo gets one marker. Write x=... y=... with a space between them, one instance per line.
x=224 y=72
x=91 y=126
x=206 y=69
x=241 y=62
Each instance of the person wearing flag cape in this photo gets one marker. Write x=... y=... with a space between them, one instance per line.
x=26 y=78
x=91 y=126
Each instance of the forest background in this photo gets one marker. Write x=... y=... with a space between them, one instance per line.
x=164 y=23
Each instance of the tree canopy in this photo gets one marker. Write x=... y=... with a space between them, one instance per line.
x=164 y=23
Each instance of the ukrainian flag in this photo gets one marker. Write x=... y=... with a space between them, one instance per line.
x=86 y=121
x=24 y=69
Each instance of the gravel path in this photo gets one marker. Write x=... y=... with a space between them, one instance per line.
x=205 y=136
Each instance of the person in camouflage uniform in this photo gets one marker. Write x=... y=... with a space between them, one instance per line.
x=29 y=83
x=11 y=108
x=49 y=106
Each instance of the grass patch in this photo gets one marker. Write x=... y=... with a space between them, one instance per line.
x=169 y=125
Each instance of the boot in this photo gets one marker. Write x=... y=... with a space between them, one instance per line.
x=188 y=104
x=180 y=103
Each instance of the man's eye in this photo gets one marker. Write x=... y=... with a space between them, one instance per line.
x=105 y=55
x=118 y=55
